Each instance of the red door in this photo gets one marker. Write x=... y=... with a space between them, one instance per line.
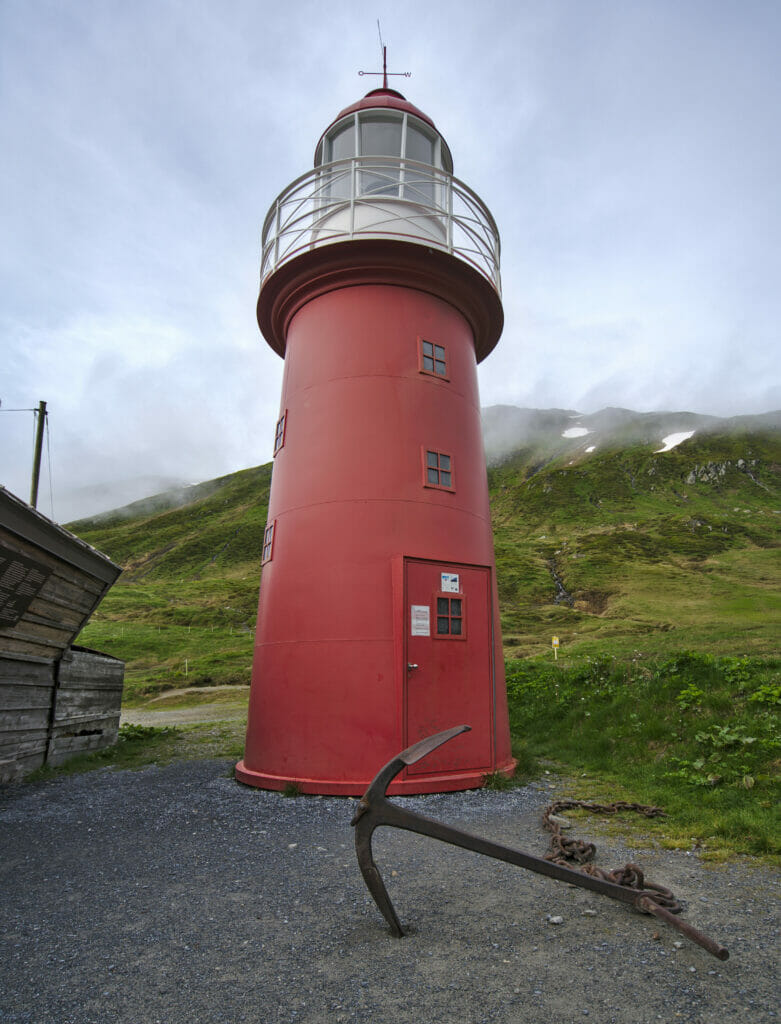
x=449 y=662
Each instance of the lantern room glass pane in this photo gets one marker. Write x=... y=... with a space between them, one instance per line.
x=418 y=184
x=380 y=136
x=420 y=147
x=343 y=143
x=341 y=146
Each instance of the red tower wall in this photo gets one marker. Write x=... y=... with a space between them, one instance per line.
x=329 y=693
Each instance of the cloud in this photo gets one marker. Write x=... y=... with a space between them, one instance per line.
x=629 y=153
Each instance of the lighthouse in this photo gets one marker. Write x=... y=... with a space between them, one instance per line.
x=378 y=619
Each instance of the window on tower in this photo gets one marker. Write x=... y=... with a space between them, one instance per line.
x=450 y=617
x=432 y=358
x=438 y=470
x=279 y=434
x=268 y=543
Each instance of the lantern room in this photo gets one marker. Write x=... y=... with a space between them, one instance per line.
x=383 y=123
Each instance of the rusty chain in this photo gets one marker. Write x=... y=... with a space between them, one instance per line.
x=565 y=850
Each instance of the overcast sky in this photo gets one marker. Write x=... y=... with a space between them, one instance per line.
x=629 y=151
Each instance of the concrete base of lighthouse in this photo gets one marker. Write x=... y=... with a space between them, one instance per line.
x=447 y=782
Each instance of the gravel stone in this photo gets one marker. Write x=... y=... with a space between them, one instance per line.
x=176 y=895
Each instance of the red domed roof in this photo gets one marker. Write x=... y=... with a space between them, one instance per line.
x=384 y=98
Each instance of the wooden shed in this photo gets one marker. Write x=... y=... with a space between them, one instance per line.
x=56 y=699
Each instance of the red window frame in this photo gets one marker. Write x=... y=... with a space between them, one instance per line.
x=279 y=433
x=442 y=465
x=437 y=356
x=267 y=551
x=444 y=609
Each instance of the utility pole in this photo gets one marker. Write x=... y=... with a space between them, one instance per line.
x=37 y=454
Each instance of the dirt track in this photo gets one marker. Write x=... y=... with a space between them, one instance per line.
x=185 y=716
x=176 y=895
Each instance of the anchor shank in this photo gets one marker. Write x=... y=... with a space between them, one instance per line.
x=399 y=817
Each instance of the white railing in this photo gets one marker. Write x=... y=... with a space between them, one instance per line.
x=381 y=197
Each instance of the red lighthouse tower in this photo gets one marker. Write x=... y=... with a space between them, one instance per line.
x=378 y=620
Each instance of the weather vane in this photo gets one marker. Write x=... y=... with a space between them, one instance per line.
x=385 y=72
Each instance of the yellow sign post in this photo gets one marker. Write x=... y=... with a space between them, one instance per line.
x=555 y=646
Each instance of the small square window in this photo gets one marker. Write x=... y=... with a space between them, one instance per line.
x=437 y=470
x=268 y=543
x=279 y=434
x=450 y=617
x=432 y=359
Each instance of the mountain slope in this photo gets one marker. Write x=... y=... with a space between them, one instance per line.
x=615 y=549
x=628 y=545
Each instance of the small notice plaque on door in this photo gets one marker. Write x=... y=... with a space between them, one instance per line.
x=420 y=620
x=450 y=583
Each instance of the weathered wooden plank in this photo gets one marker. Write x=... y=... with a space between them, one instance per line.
x=83 y=664
x=98 y=687
x=98 y=682
x=84 y=719
x=23 y=741
x=19 y=719
x=59 y=613
x=20 y=751
x=23 y=642
x=63 y=749
x=13 y=646
x=21 y=670
x=71 y=706
x=24 y=695
x=73 y=596
x=22 y=764
x=35 y=632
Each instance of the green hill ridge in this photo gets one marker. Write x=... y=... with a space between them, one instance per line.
x=657 y=569
x=608 y=549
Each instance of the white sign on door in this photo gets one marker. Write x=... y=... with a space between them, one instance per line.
x=450 y=583
x=420 y=620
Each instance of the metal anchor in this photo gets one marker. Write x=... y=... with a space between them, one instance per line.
x=375 y=809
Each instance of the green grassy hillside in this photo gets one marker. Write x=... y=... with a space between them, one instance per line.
x=184 y=608
x=658 y=550
x=614 y=551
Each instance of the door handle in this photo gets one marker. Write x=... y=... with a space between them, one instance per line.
x=411 y=667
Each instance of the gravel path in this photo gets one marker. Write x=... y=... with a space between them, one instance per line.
x=175 y=895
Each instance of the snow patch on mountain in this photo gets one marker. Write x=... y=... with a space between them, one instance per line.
x=576 y=432
x=672 y=440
